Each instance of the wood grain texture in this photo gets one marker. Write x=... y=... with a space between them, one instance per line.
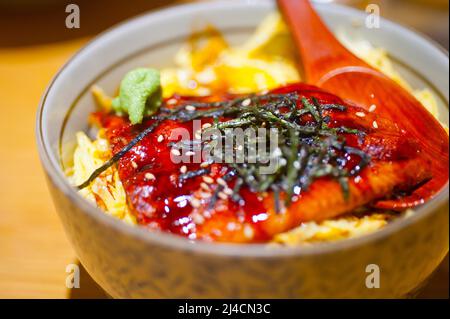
x=33 y=248
x=34 y=251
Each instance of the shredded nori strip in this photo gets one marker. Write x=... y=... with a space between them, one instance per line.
x=193 y=174
x=118 y=155
x=220 y=188
x=308 y=151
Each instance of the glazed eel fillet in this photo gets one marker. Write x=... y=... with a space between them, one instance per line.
x=365 y=159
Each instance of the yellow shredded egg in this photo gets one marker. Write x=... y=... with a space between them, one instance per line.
x=331 y=230
x=106 y=191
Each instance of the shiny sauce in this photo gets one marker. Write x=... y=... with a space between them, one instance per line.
x=159 y=200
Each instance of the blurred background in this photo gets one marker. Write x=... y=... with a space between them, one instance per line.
x=34 y=44
x=27 y=22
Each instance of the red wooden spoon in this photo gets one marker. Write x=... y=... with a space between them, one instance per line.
x=329 y=65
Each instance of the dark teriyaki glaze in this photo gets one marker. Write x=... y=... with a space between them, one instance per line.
x=161 y=199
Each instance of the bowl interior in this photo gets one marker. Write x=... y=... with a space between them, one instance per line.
x=152 y=40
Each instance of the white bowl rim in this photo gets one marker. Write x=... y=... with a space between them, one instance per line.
x=223 y=249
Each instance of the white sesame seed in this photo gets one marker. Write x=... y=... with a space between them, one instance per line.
x=192 y=236
x=198 y=218
x=204 y=195
x=372 y=96
x=195 y=202
x=372 y=108
x=246 y=102
x=149 y=176
x=205 y=187
x=375 y=124
x=360 y=114
x=190 y=108
x=183 y=169
x=160 y=138
x=221 y=181
x=172 y=101
x=208 y=180
x=248 y=232
x=231 y=226
x=133 y=163
x=228 y=191
x=357 y=179
x=175 y=152
x=222 y=195
x=207 y=214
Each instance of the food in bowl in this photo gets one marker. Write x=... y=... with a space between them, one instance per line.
x=318 y=178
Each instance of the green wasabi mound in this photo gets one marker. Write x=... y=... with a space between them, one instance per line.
x=140 y=94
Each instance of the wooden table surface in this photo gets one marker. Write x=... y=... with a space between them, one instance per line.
x=34 y=250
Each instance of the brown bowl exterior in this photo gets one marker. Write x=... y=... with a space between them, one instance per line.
x=130 y=267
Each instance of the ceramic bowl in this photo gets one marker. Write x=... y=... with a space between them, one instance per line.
x=131 y=262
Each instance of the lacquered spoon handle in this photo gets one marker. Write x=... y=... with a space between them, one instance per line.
x=320 y=51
